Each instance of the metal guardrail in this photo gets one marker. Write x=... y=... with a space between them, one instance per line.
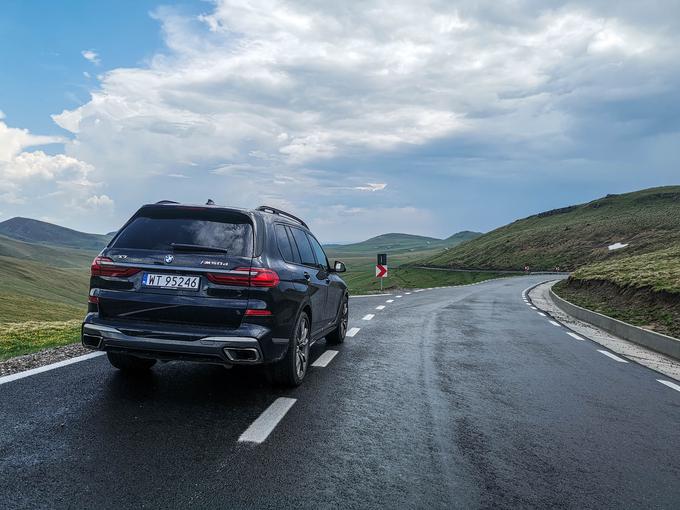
x=656 y=341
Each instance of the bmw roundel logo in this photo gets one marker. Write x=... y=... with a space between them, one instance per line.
x=169 y=259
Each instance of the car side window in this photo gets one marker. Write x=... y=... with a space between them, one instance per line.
x=321 y=258
x=305 y=249
x=284 y=244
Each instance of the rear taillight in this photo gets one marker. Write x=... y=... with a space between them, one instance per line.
x=104 y=266
x=250 y=312
x=246 y=277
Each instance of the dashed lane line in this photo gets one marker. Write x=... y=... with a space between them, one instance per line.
x=390 y=301
x=398 y=296
x=368 y=317
x=555 y=324
x=574 y=335
x=669 y=384
x=610 y=355
x=380 y=307
x=541 y=314
x=352 y=332
x=260 y=429
x=407 y=293
x=324 y=359
x=52 y=366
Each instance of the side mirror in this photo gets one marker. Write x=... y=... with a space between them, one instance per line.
x=339 y=267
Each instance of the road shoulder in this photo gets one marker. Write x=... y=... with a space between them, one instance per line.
x=540 y=297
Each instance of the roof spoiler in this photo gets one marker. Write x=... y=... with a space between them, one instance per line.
x=274 y=210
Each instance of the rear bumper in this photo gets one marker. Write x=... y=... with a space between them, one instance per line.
x=249 y=345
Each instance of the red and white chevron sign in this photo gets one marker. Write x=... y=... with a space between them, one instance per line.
x=380 y=271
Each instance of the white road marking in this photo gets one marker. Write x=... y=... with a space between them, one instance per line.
x=610 y=355
x=380 y=307
x=368 y=317
x=407 y=293
x=397 y=296
x=324 y=359
x=555 y=323
x=541 y=314
x=390 y=301
x=534 y=308
x=669 y=384
x=58 y=364
x=352 y=332
x=260 y=429
x=574 y=335
x=370 y=295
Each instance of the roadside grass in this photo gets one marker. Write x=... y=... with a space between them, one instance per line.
x=658 y=270
x=360 y=275
x=643 y=290
x=21 y=338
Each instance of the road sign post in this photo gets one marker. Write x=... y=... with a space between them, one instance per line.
x=381 y=268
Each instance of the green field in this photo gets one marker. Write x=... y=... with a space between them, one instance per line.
x=570 y=237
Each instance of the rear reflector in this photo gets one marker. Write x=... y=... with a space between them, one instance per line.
x=257 y=313
x=104 y=266
x=246 y=277
x=93 y=299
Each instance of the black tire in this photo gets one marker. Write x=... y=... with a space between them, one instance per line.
x=291 y=370
x=337 y=336
x=128 y=363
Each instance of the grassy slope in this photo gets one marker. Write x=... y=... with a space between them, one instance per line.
x=39 y=232
x=641 y=289
x=570 y=237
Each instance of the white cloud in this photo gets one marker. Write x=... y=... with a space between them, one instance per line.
x=99 y=202
x=372 y=186
x=91 y=56
x=296 y=103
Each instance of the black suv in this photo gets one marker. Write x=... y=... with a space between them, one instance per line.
x=217 y=285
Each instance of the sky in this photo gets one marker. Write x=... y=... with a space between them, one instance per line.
x=362 y=117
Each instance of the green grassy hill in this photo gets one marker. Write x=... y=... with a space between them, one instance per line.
x=39 y=232
x=41 y=282
x=399 y=243
x=569 y=237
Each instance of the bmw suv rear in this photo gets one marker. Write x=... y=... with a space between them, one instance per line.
x=217 y=285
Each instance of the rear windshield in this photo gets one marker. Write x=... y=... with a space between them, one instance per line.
x=157 y=229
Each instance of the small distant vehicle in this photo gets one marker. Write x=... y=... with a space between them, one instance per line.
x=214 y=284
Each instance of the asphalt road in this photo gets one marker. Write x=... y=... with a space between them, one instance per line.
x=447 y=398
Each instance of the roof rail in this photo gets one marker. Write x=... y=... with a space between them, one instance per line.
x=167 y=202
x=274 y=210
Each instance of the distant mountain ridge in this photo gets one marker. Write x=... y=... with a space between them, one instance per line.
x=569 y=237
x=400 y=243
x=33 y=231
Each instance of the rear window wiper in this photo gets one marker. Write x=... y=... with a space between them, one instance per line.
x=197 y=248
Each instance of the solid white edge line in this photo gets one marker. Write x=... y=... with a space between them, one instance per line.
x=45 y=368
x=352 y=332
x=574 y=335
x=260 y=429
x=669 y=384
x=324 y=359
x=370 y=295
x=380 y=307
x=368 y=317
x=610 y=355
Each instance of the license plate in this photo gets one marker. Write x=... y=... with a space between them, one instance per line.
x=171 y=281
